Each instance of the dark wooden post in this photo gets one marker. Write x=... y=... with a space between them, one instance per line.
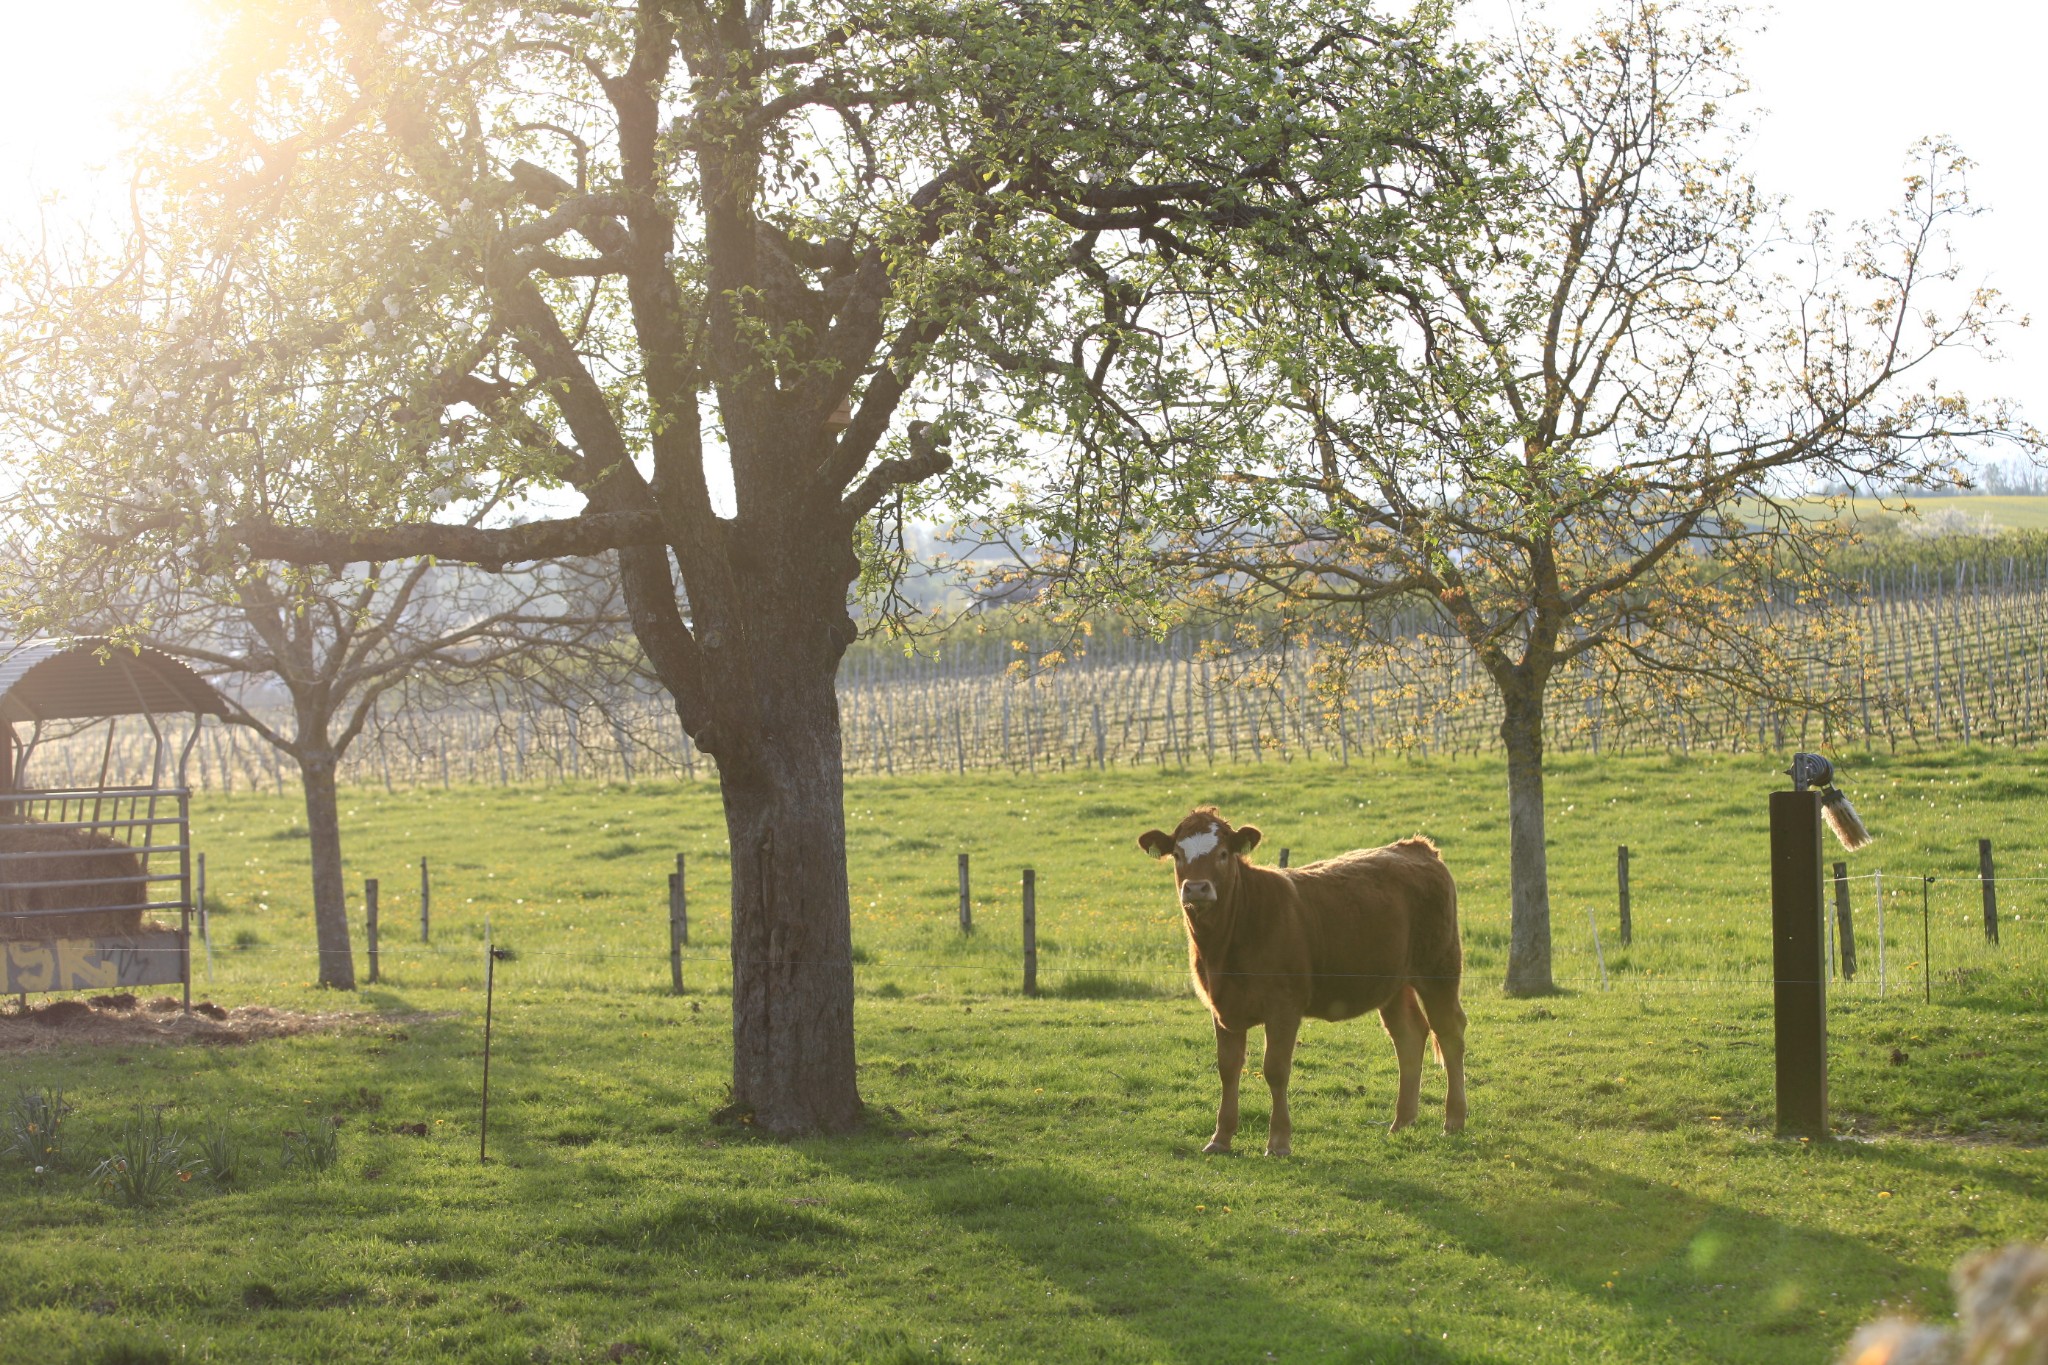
x=679 y=900
x=1845 y=925
x=1800 y=992
x=370 y=922
x=1283 y=856
x=675 y=933
x=966 y=906
x=1990 y=890
x=1621 y=877
x=426 y=902
x=1030 y=932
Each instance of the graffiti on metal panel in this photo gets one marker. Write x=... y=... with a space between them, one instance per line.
x=90 y=964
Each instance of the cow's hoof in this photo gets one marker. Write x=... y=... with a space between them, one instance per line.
x=1454 y=1126
x=1217 y=1147
x=1398 y=1124
x=1279 y=1149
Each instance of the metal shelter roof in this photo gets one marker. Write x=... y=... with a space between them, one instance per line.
x=92 y=676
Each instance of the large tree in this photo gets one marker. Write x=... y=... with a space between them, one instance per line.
x=1575 y=427
x=689 y=269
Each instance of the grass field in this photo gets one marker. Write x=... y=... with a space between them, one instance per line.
x=2008 y=511
x=1030 y=1186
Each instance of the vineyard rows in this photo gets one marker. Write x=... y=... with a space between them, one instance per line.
x=1956 y=656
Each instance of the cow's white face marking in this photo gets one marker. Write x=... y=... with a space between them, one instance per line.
x=1198 y=846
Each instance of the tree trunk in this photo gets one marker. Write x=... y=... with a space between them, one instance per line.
x=330 y=899
x=1521 y=730
x=792 y=947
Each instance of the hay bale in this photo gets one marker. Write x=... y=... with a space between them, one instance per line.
x=104 y=890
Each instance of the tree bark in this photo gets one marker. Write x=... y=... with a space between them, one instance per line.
x=792 y=947
x=330 y=898
x=1521 y=731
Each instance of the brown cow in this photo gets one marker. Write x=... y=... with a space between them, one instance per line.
x=1371 y=929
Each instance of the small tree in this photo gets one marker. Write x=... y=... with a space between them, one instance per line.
x=335 y=643
x=1577 y=427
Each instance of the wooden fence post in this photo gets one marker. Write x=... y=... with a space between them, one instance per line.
x=966 y=906
x=1284 y=855
x=675 y=933
x=1799 y=964
x=1845 y=927
x=1990 y=890
x=1030 y=932
x=370 y=922
x=679 y=900
x=426 y=903
x=1621 y=878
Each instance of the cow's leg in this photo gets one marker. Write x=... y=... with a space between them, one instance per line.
x=1230 y=1066
x=1279 y=1064
x=1447 y=1022
x=1409 y=1030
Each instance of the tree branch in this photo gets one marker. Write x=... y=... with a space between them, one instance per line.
x=489 y=547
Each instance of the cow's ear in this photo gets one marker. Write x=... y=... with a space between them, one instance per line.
x=1246 y=839
x=1156 y=842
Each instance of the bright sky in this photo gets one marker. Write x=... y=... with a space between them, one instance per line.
x=1849 y=85
x=69 y=74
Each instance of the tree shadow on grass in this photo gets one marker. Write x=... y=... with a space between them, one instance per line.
x=1132 y=1292
x=1729 y=1280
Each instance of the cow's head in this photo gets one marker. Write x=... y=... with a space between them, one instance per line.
x=1206 y=855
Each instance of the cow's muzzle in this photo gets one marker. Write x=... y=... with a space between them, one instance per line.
x=1197 y=893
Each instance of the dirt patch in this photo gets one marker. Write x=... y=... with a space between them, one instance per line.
x=123 y=1021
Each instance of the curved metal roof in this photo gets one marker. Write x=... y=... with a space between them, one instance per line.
x=92 y=676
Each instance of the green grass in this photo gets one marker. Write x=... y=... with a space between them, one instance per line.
x=2008 y=511
x=1030 y=1186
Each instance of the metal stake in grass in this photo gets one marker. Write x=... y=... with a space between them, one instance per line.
x=1926 y=942
x=491 y=956
x=205 y=920
x=1595 y=922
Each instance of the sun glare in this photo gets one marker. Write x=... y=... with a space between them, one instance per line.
x=71 y=78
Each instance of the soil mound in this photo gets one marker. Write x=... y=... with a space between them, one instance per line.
x=122 y=1021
